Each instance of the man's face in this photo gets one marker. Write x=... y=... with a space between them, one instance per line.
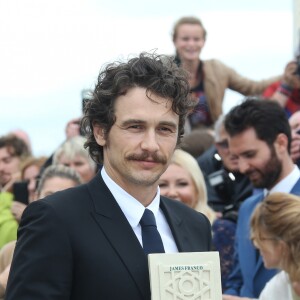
x=9 y=165
x=256 y=159
x=141 y=142
x=230 y=161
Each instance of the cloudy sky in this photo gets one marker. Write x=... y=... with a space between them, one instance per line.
x=51 y=50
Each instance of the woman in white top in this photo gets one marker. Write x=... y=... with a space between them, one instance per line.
x=275 y=231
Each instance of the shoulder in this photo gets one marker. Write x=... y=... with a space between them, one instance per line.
x=62 y=205
x=276 y=288
x=73 y=195
x=214 y=64
x=182 y=211
x=215 y=70
x=250 y=203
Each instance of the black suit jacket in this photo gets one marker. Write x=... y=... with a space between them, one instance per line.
x=78 y=244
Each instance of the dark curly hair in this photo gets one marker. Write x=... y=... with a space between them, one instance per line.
x=156 y=73
x=15 y=146
x=267 y=118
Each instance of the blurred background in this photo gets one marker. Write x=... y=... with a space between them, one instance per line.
x=51 y=50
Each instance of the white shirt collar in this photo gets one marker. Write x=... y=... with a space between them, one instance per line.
x=131 y=207
x=287 y=183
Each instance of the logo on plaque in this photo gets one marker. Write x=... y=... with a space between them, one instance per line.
x=185 y=276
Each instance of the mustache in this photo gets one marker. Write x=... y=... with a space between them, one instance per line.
x=147 y=156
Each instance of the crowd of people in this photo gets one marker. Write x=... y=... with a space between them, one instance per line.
x=154 y=145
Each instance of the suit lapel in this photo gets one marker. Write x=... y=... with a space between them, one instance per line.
x=118 y=232
x=177 y=226
x=296 y=188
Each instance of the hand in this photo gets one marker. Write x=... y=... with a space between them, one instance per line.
x=17 y=209
x=4 y=276
x=230 y=297
x=8 y=186
x=73 y=128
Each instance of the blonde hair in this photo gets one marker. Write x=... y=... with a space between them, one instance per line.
x=190 y=164
x=71 y=148
x=59 y=171
x=279 y=216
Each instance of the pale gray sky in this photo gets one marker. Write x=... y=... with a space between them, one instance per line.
x=51 y=50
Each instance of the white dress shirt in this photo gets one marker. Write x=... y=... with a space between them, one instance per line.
x=134 y=210
x=287 y=183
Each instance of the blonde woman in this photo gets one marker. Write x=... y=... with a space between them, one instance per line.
x=183 y=180
x=275 y=231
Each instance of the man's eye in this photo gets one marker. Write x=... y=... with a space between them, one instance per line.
x=7 y=160
x=166 y=129
x=134 y=127
x=249 y=155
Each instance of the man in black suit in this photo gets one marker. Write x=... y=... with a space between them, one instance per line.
x=87 y=242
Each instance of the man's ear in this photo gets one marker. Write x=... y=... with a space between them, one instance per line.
x=99 y=134
x=281 y=143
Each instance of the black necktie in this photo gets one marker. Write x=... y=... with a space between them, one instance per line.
x=152 y=242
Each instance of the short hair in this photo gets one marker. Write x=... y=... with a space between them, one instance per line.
x=71 y=148
x=278 y=216
x=187 y=20
x=60 y=171
x=15 y=146
x=158 y=74
x=190 y=164
x=267 y=118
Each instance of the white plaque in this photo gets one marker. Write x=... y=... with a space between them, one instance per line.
x=185 y=276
